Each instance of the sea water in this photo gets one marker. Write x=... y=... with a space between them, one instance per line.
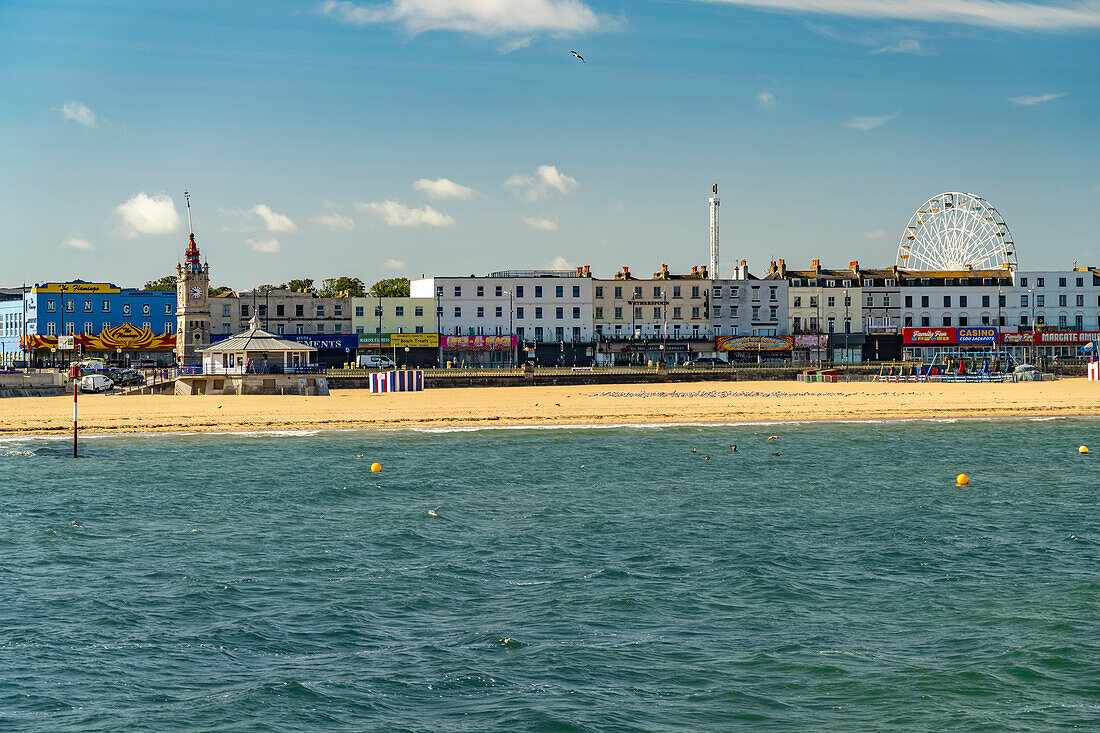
x=570 y=579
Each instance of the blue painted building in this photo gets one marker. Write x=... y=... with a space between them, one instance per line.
x=63 y=320
x=11 y=325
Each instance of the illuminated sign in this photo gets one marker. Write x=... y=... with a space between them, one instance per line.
x=479 y=343
x=976 y=335
x=754 y=343
x=811 y=341
x=928 y=335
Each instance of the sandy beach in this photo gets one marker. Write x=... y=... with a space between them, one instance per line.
x=598 y=404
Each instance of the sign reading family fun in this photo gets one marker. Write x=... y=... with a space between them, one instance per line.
x=754 y=343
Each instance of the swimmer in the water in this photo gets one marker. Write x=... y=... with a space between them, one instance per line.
x=733 y=447
x=772 y=437
x=693 y=450
x=706 y=458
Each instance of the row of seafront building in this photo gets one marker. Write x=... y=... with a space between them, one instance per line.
x=571 y=317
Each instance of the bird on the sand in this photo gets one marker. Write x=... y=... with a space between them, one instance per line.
x=579 y=56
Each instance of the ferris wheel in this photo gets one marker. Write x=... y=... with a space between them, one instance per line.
x=956 y=231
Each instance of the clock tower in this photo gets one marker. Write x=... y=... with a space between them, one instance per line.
x=192 y=302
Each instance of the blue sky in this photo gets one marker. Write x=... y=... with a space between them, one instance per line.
x=302 y=128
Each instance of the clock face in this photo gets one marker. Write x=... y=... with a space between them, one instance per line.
x=196 y=292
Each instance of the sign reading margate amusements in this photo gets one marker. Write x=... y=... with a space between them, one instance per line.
x=754 y=343
x=1051 y=337
x=478 y=343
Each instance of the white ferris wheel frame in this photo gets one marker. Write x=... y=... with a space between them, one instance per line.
x=956 y=231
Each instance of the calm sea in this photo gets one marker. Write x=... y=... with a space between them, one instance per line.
x=571 y=580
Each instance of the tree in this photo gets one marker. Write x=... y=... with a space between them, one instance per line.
x=394 y=287
x=168 y=282
x=304 y=285
x=334 y=287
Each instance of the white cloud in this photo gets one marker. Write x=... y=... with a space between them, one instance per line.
x=334 y=222
x=444 y=188
x=75 y=242
x=869 y=123
x=273 y=222
x=547 y=178
x=1023 y=16
x=392 y=264
x=399 y=215
x=545 y=225
x=144 y=214
x=264 y=246
x=78 y=113
x=766 y=100
x=907 y=45
x=479 y=17
x=875 y=234
x=1028 y=100
x=560 y=263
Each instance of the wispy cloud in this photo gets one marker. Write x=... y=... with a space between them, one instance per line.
x=875 y=234
x=75 y=242
x=545 y=225
x=334 y=222
x=392 y=264
x=273 y=221
x=546 y=180
x=144 y=214
x=560 y=263
x=1022 y=16
x=264 y=246
x=1029 y=100
x=444 y=188
x=906 y=45
x=478 y=17
x=78 y=113
x=869 y=123
x=399 y=215
x=766 y=100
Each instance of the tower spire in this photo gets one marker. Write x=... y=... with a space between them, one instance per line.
x=187 y=196
x=193 y=264
x=714 y=232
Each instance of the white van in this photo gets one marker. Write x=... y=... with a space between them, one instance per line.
x=376 y=361
x=95 y=383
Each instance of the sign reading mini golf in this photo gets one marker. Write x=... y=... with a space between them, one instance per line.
x=754 y=343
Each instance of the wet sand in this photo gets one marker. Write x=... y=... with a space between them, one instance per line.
x=595 y=404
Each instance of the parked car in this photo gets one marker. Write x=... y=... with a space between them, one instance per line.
x=705 y=361
x=125 y=377
x=95 y=383
x=376 y=361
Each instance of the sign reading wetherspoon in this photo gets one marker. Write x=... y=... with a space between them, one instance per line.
x=754 y=343
x=479 y=343
x=928 y=335
x=976 y=335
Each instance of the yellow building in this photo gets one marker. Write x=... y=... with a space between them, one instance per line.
x=393 y=315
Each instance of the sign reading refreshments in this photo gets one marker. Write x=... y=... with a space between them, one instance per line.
x=921 y=336
x=976 y=335
x=754 y=343
x=479 y=343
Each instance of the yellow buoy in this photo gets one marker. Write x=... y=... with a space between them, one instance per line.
x=375 y=467
x=962 y=480
x=1083 y=449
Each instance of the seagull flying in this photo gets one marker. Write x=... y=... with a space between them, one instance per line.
x=579 y=56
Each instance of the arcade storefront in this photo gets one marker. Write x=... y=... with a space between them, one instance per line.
x=125 y=344
x=756 y=349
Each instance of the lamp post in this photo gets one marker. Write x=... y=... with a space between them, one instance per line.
x=847 y=324
x=438 y=331
x=1031 y=297
x=406 y=357
x=511 y=330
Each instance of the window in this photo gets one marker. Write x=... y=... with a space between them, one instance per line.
x=458 y=291
x=695 y=312
x=676 y=312
x=559 y=313
x=358 y=311
x=538 y=291
x=1062 y=301
x=947 y=320
x=773 y=314
x=69 y=328
x=51 y=329
x=599 y=312
x=225 y=311
x=225 y=328
x=656 y=291
x=847 y=301
x=480 y=291
x=756 y=313
x=716 y=293
x=798 y=301
x=924 y=301
x=599 y=291
x=963 y=321
x=419 y=329
x=377 y=311
x=480 y=311
x=320 y=327
x=717 y=311
x=576 y=313
x=519 y=291
x=1001 y=299
x=756 y=293
x=1062 y=322
x=320 y=311
x=125 y=309
x=338 y=328
x=638 y=291
x=519 y=333
x=908 y=321
x=985 y=301
x=88 y=327
x=657 y=313
x=1080 y=301
x=358 y=329
x=1040 y=282
x=925 y=321
x=559 y=334
x=618 y=292
x=559 y=291
x=519 y=312
x=1040 y=301
x=832 y=324
x=619 y=314
x=499 y=312
x=458 y=311
x=299 y=310
x=263 y=310
x=1023 y=319
x=280 y=329
x=637 y=313
x=51 y=306
x=107 y=307
x=908 y=301
x=733 y=311
x=831 y=301
x=1061 y=282
x=1023 y=282
x=1079 y=322
x=108 y=325
x=280 y=310
x=675 y=291
x=538 y=312
x=418 y=311
x=299 y=328
x=576 y=291
x=576 y=333
x=813 y=301
x=947 y=301
x=886 y=301
x=985 y=320
x=870 y=300
x=1080 y=281
x=398 y=311
x=773 y=295
x=337 y=309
